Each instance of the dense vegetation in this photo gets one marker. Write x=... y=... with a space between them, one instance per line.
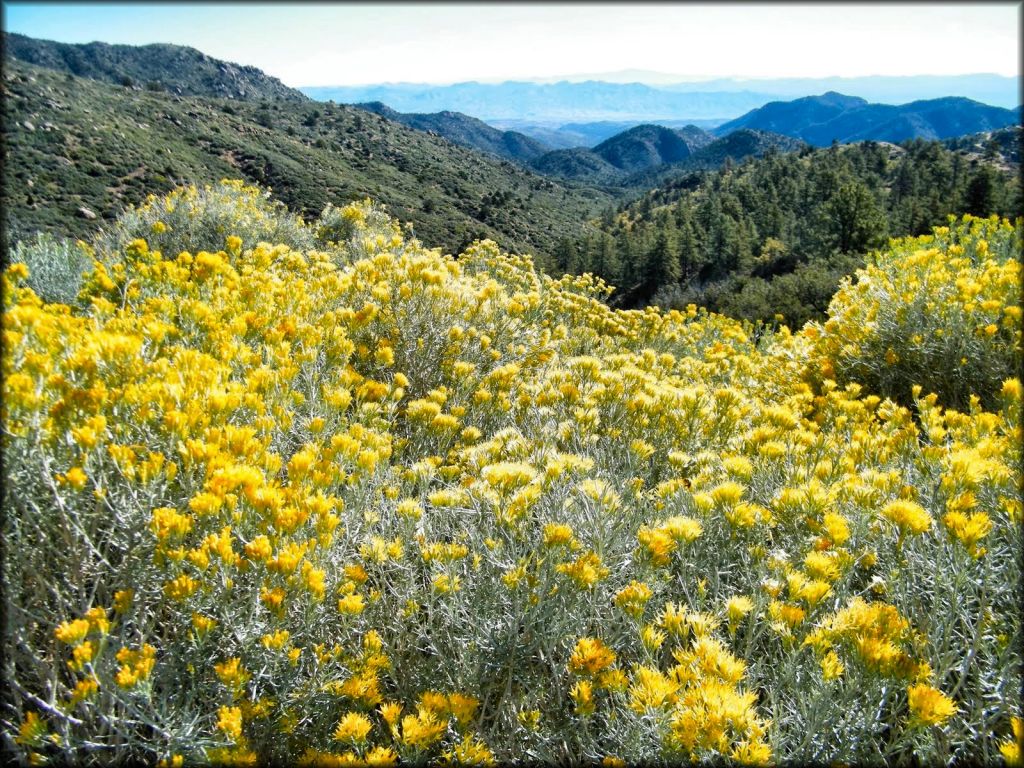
x=282 y=485
x=775 y=235
x=74 y=143
x=347 y=500
x=758 y=241
x=647 y=155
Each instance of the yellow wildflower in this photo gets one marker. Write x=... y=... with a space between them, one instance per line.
x=929 y=706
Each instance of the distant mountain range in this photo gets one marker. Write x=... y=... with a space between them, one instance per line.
x=647 y=154
x=565 y=102
x=630 y=156
x=820 y=120
x=998 y=90
x=620 y=160
x=599 y=100
x=569 y=135
x=178 y=69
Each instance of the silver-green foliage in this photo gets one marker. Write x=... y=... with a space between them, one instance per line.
x=56 y=266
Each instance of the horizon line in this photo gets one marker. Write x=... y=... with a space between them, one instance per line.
x=685 y=79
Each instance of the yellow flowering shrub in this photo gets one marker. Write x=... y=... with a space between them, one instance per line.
x=942 y=311
x=335 y=497
x=227 y=215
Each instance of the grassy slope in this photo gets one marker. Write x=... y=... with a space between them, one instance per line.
x=103 y=146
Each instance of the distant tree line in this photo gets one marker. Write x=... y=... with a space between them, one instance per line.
x=774 y=235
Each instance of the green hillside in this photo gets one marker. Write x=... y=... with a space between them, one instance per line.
x=712 y=155
x=79 y=148
x=578 y=164
x=466 y=131
x=820 y=120
x=175 y=68
x=648 y=145
x=775 y=235
x=649 y=155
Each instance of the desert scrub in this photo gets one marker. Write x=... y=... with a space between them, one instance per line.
x=56 y=267
x=348 y=227
x=942 y=311
x=200 y=218
x=374 y=503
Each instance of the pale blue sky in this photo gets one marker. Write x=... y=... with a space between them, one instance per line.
x=350 y=43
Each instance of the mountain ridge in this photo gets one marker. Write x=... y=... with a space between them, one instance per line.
x=159 y=66
x=77 y=147
x=646 y=145
x=832 y=116
x=631 y=159
x=466 y=131
x=989 y=88
x=591 y=100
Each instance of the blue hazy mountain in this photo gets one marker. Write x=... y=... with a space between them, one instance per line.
x=567 y=102
x=820 y=120
x=643 y=156
x=569 y=135
x=599 y=100
x=996 y=90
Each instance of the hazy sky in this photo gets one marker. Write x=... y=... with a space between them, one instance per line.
x=352 y=43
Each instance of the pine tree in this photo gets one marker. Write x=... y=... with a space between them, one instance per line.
x=611 y=266
x=627 y=257
x=980 y=197
x=663 y=259
x=567 y=256
x=855 y=222
x=690 y=258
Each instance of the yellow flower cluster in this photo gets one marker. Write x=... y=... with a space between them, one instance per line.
x=942 y=311
x=136 y=666
x=316 y=484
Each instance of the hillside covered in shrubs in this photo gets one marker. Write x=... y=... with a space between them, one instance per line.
x=776 y=234
x=314 y=493
x=78 y=150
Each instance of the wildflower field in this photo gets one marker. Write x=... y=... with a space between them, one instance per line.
x=312 y=493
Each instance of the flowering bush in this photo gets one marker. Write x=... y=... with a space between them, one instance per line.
x=373 y=503
x=195 y=218
x=942 y=311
